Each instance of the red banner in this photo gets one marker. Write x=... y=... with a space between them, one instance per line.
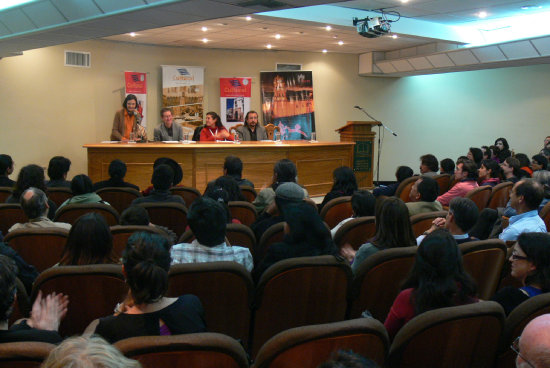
x=136 y=82
x=235 y=87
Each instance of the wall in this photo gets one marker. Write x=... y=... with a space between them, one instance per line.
x=47 y=109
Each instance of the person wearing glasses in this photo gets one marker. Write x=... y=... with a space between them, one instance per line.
x=533 y=346
x=530 y=264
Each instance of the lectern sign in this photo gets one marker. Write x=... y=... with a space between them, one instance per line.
x=362 y=156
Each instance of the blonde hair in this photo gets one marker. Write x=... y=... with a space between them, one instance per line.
x=87 y=352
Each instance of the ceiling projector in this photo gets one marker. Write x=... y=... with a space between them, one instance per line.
x=372 y=27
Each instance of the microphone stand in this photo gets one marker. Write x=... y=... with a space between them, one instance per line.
x=379 y=148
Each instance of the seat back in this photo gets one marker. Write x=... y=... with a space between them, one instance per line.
x=484 y=261
x=336 y=210
x=168 y=214
x=404 y=188
x=22 y=305
x=233 y=129
x=40 y=247
x=93 y=291
x=298 y=292
x=189 y=194
x=270 y=130
x=423 y=221
x=480 y=196
x=241 y=235
x=121 y=233
x=500 y=194
x=198 y=350
x=545 y=215
x=120 y=198
x=71 y=212
x=249 y=193
x=378 y=280
x=27 y=354
x=516 y=322
x=5 y=192
x=225 y=290
x=59 y=194
x=310 y=346
x=463 y=336
x=355 y=232
x=443 y=181
x=274 y=234
x=243 y=211
x=10 y=214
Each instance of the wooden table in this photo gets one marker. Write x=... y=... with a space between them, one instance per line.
x=203 y=162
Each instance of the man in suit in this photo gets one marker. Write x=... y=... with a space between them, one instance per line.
x=167 y=130
x=251 y=131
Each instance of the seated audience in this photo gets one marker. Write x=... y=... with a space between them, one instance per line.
x=25 y=272
x=489 y=173
x=35 y=205
x=543 y=178
x=347 y=359
x=57 y=171
x=230 y=185
x=87 y=352
x=208 y=219
x=89 y=242
x=305 y=236
x=362 y=204
x=46 y=314
x=533 y=345
x=402 y=173
x=83 y=191
x=137 y=215
x=176 y=168
x=501 y=150
x=283 y=171
x=461 y=217
x=251 y=130
x=525 y=198
x=540 y=162
x=524 y=165
x=214 y=130
x=162 y=180
x=447 y=166
x=393 y=229
x=429 y=165
x=510 y=169
x=233 y=167
x=423 y=196
x=117 y=172
x=487 y=152
x=221 y=196
x=344 y=184
x=6 y=168
x=146 y=311
x=31 y=176
x=466 y=174
x=530 y=264
x=475 y=154
x=437 y=280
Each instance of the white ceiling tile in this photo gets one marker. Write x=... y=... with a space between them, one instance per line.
x=402 y=65
x=386 y=67
x=440 y=60
x=463 y=57
x=420 y=63
x=489 y=54
x=77 y=9
x=16 y=21
x=519 y=50
x=542 y=45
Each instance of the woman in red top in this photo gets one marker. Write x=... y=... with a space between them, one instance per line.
x=214 y=129
x=437 y=280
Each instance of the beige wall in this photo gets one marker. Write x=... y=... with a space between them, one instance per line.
x=47 y=109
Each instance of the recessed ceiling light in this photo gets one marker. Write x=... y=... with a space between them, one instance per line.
x=205 y=40
x=278 y=36
x=394 y=36
x=204 y=29
x=222 y=24
x=268 y=46
x=133 y=34
x=265 y=28
x=325 y=51
x=482 y=14
x=404 y=1
x=248 y=17
x=328 y=28
x=340 y=43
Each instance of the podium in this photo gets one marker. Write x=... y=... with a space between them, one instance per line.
x=361 y=133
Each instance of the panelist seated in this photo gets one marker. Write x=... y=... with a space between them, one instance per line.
x=167 y=131
x=128 y=120
x=214 y=129
x=251 y=130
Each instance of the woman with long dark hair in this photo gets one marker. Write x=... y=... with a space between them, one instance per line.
x=502 y=150
x=489 y=173
x=214 y=130
x=128 y=120
x=437 y=280
x=344 y=184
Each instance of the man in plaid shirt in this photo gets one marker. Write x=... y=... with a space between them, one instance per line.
x=207 y=219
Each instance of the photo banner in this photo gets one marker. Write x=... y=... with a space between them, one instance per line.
x=287 y=102
x=234 y=100
x=136 y=84
x=183 y=92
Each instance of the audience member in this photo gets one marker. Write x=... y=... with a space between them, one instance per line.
x=530 y=265
x=525 y=198
x=46 y=312
x=162 y=180
x=540 y=162
x=230 y=185
x=533 y=347
x=87 y=352
x=475 y=155
x=489 y=173
x=6 y=168
x=501 y=150
x=511 y=169
x=466 y=174
x=423 y=196
x=117 y=172
x=146 y=311
x=208 y=219
x=89 y=242
x=35 y=205
x=251 y=130
x=437 y=280
x=347 y=359
x=524 y=165
x=543 y=178
x=487 y=152
x=233 y=167
x=429 y=165
x=344 y=184
x=305 y=236
x=362 y=204
x=137 y=215
x=461 y=217
x=393 y=229
x=31 y=176
x=176 y=168
x=221 y=196
x=402 y=173
x=58 y=168
x=447 y=166
x=167 y=130
x=83 y=191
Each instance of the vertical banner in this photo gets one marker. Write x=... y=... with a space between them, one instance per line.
x=234 y=100
x=287 y=102
x=136 y=84
x=183 y=92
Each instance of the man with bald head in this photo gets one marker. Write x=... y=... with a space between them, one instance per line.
x=533 y=348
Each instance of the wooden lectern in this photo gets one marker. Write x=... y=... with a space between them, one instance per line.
x=361 y=133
